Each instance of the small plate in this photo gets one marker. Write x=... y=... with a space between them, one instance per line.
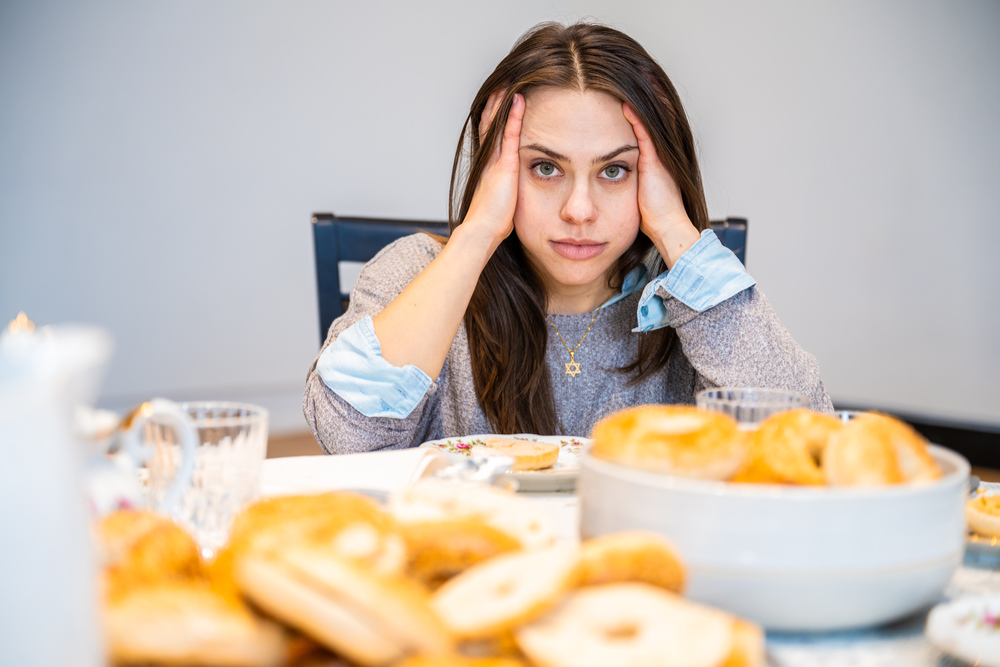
x=560 y=477
x=968 y=629
x=984 y=546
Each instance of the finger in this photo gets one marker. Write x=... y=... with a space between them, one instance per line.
x=512 y=132
x=648 y=157
x=492 y=104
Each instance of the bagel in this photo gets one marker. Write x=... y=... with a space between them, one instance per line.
x=787 y=447
x=350 y=525
x=369 y=618
x=876 y=450
x=493 y=597
x=631 y=556
x=983 y=515
x=638 y=624
x=458 y=661
x=186 y=623
x=438 y=550
x=431 y=500
x=672 y=439
x=139 y=548
x=527 y=454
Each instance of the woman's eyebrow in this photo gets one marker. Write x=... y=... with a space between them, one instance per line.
x=615 y=153
x=559 y=156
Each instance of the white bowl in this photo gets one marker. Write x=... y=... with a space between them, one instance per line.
x=793 y=558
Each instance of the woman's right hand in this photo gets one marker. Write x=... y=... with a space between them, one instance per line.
x=492 y=209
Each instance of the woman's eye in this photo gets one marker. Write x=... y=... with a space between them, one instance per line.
x=614 y=173
x=546 y=169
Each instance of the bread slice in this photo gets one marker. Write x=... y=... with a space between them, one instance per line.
x=527 y=454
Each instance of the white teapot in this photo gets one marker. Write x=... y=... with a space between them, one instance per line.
x=48 y=570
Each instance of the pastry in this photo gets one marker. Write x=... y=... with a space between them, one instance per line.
x=638 y=624
x=493 y=597
x=631 y=556
x=527 y=454
x=787 y=448
x=672 y=439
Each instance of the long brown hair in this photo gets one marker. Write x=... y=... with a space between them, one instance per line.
x=505 y=319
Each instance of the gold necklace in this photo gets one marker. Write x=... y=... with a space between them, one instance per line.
x=573 y=368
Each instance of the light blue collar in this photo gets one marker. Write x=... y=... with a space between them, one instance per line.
x=634 y=281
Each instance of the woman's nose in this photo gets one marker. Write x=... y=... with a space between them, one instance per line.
x=579 y=206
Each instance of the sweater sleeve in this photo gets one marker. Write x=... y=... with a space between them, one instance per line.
x=741 y=343
x=339 y=409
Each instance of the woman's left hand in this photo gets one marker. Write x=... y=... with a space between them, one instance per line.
x=664 y=219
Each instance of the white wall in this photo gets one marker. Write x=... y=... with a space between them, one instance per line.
x=159 y=163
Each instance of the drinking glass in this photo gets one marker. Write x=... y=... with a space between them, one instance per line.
x=230 y=447
x=749 y=406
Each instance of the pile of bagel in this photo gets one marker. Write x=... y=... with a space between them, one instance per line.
x=442 y=575
x=796 y=447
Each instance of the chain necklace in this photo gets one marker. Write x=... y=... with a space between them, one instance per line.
x=573 y=368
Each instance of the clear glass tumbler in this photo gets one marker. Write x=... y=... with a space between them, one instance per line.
x=749 y=405
x=231 y=445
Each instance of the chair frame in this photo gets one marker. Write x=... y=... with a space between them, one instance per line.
x=358 y=239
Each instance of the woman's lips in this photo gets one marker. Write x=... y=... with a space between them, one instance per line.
x=582 y=249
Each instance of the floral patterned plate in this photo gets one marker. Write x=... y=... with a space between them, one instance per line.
x=968 y=629
x=560 y=477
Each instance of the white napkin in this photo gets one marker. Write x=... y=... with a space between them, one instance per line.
x=376 y=471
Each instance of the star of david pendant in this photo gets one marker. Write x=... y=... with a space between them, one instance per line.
x=572 y=369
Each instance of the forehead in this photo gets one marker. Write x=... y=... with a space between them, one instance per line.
x=575 y=123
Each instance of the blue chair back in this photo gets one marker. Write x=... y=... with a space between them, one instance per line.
x=338 y=240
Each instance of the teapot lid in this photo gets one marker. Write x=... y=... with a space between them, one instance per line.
x=65 y=361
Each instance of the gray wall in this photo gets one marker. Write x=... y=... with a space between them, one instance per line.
x=159 y=163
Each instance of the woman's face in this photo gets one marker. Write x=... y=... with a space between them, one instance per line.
x=577 y=205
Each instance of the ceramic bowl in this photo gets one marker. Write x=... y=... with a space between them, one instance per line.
x=794 y=558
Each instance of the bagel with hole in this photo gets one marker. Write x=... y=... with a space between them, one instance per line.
x=672 y=439
x=787 y=448
x=495 y=596
x=638 y=624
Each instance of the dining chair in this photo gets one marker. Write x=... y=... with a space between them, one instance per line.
x=342 y=245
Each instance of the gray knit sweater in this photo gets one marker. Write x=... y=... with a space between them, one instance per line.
x=740 y=342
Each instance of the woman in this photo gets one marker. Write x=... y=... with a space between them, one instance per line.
x=580 y=277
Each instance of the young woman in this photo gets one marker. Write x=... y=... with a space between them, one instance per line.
x=580 y=276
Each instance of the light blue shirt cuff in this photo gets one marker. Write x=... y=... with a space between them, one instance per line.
x=353 y=368
x=707 y=274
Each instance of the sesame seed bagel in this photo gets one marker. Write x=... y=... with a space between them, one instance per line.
x=672 y=439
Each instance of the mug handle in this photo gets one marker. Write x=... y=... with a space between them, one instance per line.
x=140 y=452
